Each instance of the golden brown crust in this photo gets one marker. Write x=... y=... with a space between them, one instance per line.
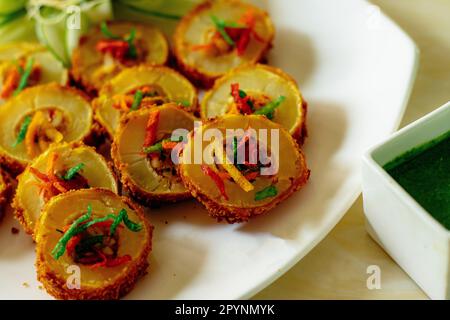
x=16 y=166
x=78 y=74
x=56 y=286
x=236 y=214
x=19 y=211
x=233 y=214
x=299 y=133
x=198 y=77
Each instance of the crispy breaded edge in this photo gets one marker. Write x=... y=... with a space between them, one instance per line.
x=56 y=286
x=19 y=211
x=15 y=166
x=140 y=195
x=299 y=132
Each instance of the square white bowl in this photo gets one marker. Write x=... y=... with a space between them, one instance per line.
x=408 y=233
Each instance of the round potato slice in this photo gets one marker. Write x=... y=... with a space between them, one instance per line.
x=158 y=85
x=44 y=68
x=39 y=116
x=144 y=149
x=217 y=36
x=100 y=54
x=267 y=167
x=262 y=85
x=61 y=168
x=91 y=244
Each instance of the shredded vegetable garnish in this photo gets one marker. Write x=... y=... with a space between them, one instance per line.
x=151 y=129
x=72 y=172
x=184 y=103
x=22 y=131
x=269 y=108
x=60 y=247
x=265 y=193
x=242 y=100
x=237 y=176
x=24 y=76
x=138 y=95
x=162 y=145
x=123 y=217
x=216 y=178
x=118 y=43
x=84 y=222
x=220 y=27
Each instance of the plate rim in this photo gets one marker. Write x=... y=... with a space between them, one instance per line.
x=353 y=196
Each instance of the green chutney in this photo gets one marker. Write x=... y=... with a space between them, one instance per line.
x=424 y=172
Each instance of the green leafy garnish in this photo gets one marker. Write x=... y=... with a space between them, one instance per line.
x=107 y=33
x=71 y=173
x=184 y=103
x=138 y=95
x=269 y=108
x=158 y=147
x=122 y=216
x=22 y=131
x=220 y=26
x=132 y=52
x=79 y=226
x=73 y=230
x=265 y=193
x=24 y=76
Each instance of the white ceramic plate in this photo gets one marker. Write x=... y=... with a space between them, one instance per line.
x=356 y=69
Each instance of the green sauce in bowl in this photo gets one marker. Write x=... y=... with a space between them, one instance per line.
x=424 y=172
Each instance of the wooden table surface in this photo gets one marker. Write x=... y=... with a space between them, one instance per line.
x=337 y=267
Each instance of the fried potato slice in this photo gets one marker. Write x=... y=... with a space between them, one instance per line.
x=123 y=254
x=262 y=84
x=158 y=84
x=92 y=66
x=38 y=117
x=221 y=190
x=217 y=36
x=33 y=191
x=151 y=176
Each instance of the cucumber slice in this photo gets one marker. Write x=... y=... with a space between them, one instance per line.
x=10 y=6
x=98 y=10
x=73 y=36
x=19 y=29
x=53 y=36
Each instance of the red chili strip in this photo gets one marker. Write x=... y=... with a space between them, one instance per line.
x=216 y=178
x=151 y=129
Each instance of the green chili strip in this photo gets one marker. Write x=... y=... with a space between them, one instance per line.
x=71 y=173
x=265 y=193
x=122 y=216
x=107 y=33
x=220 y=26
x=22 y=131
x=269 y=108
x=132 y=52
x=78 y=226
x=60 y=247
x=138 y=95
x=25 y=75
x=184 y=103
x=158 y=147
